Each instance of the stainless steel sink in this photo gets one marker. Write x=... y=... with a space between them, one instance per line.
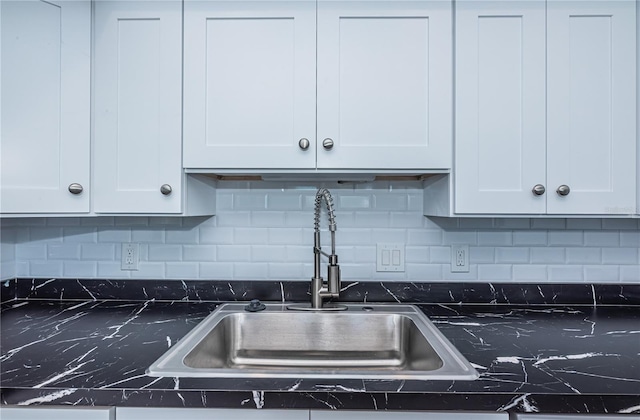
x=381 y=341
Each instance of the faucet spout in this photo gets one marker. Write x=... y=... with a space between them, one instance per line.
x=319 y=288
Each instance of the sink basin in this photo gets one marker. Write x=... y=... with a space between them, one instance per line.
x=381 y=341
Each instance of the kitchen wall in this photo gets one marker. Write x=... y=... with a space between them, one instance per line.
x=264 y=230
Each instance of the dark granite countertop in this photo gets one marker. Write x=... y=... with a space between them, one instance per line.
x=569 y=357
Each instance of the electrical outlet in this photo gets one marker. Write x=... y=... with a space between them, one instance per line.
x=460 y=258
x=130 y=256
x=390 y=257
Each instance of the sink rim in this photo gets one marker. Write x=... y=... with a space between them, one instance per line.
x=454 y=365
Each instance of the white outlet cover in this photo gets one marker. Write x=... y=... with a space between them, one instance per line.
x=460 y=258
x=390 y=257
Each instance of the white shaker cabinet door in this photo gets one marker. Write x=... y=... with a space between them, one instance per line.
x=134 y=413
x=384 y=84
x=395 y=415
x=58 y=413
x=591 y=139
x=45 y=105
x=500 y=106
x=138 y=121
x=249 y=84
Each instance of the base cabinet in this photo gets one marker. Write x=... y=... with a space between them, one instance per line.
x=134 y=413
x=58 y=413
x=390 y=415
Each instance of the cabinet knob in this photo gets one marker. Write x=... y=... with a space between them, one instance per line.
x=327 y=144
x=303 y=143
x=75 y=188
x=165 y=189
x=563 y=190
x=538 y=189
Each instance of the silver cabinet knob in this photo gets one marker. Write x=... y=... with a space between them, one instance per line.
x=538 y=189
x=75 y=188
x=327 y=144
x=303 y=143
x=165 y=189
x=563 y=190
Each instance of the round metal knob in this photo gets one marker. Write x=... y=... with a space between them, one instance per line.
x=563 y=190
x=327 y=144
x=538 y=189
x=165 y=189
x=304 y=144
x=75 y=188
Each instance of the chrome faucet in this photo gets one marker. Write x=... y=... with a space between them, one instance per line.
x=320 y=289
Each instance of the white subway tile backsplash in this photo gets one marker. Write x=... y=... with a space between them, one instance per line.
x=583 y=255
x=265 y=231
x=547 y=255
x=440 y=254
x=98 y=252
x=216 y=235
x=529 y=273
x=513 y=255
x=234 y=253
x=181 y=270
x=250 y=236
x=460 y=238
x=80 y=269
x=268 y=253
x=620 y=256
x=149 y=270
x=565 y=238
x=601 y=238
x=45 y=268
x=494 y=272
x=164 y=252
x=565 y=274
x=354 y=202
x=601 y=274
x=217 y=270
x=482 y=255
x=199 y=253
x=114 y=235
x=530 y=238
x=395 y=202
x=63 y=251
x=629 y=273
x=151 y=235
x=498 y=238
x=630 y=239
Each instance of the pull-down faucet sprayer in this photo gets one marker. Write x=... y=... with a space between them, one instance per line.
x=320 y=290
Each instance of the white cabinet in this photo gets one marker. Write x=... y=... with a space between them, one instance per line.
x=137 y=161
x=573 y=417
x=137 y=107
x=249 y=84
x=58 y=413
x=591 y=106
x=384 y=84
x=126 y=413
x=45 y=88
x=395 y=415
x=366 y=87
x=543 y=114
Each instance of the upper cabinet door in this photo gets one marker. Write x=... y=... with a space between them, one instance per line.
x=45 y=116
x=592 y=106
x=500 y=106
x=138 y=122
x=384 y=84
x=249 y=84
